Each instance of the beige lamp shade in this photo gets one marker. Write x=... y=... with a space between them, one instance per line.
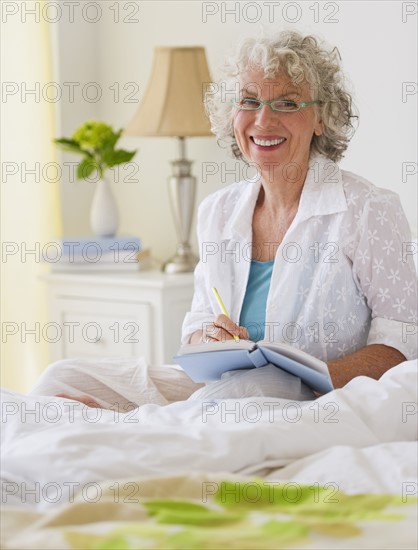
x=173 y=102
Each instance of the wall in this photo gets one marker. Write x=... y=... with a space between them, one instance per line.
x=377 y=42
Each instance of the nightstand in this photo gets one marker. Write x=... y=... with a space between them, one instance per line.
x=117 y=315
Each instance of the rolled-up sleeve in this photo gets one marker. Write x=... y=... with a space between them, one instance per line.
x=384 y=267
x=201 y=312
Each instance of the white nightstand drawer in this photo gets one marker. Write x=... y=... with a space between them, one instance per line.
x=131 y=314
x=92 y=328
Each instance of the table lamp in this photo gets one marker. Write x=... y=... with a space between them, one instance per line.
x=173 y=106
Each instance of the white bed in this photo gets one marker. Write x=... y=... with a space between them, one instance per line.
x=357 y=440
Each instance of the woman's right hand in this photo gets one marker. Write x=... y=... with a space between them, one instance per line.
x=222 y=328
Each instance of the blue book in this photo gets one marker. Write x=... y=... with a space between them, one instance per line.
x=207 y=362
x=78 y=246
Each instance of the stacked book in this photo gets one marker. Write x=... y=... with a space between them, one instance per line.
x=100 y=254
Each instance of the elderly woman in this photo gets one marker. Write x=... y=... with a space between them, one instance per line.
x=305 y=252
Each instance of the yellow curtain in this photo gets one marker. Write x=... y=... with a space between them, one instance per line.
x=30 y=202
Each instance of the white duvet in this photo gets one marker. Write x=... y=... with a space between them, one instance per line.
x=362 y=438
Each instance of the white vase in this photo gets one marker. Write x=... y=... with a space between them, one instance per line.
x=104 y=217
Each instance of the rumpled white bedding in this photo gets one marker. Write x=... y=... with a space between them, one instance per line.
x=361 y=437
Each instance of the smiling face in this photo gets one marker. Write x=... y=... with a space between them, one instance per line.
x=265 y=136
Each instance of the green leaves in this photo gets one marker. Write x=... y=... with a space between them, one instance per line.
x=112 y=158
x=68 y=145
x=188 y=513
x=96 y=142
x=86 y=168
x=241 y=515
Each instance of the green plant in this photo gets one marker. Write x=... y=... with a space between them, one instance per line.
x=95 y=141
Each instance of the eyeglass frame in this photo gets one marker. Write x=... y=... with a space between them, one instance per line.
x=269 y=103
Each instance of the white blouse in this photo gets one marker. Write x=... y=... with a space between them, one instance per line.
x=343 y=276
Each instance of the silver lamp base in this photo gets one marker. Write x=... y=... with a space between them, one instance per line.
x=183 y=261
x=182 y=190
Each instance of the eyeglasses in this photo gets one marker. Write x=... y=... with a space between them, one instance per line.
x=280 y=105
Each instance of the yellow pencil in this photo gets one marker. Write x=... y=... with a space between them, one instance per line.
x=223 y=308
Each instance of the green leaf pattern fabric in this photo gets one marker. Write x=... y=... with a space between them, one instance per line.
x=247 y=515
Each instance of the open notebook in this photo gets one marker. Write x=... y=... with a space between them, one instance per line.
x=205 y=362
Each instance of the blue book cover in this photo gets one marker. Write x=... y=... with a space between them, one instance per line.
x=207 y=362
x=79 y=246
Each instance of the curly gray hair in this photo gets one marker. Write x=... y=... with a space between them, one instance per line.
x=304 y=60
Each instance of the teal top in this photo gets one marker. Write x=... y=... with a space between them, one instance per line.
x=253 y=312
